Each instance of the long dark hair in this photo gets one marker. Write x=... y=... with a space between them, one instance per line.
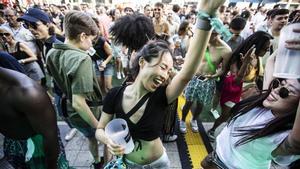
x=258 y=39
x=276 y=125
x=182 y=27
x=152 y=49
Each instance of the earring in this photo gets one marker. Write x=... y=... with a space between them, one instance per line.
x=141 y=61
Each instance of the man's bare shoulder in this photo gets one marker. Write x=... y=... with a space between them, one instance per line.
x=224 y=47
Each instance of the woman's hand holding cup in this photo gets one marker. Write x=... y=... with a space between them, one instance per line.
x=115 y=149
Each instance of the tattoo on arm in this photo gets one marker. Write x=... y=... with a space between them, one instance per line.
x=289 y=146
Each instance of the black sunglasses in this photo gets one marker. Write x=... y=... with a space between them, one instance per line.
x=28 y=25
x=9 y=16
x=283 y=91
x=4 y=34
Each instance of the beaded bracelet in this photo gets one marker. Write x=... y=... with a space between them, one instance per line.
x=206 y=22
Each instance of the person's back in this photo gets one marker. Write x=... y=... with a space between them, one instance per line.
x=17 y=84
x=26 y=111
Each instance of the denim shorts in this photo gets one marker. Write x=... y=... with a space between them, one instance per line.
x=162 y=163
x=108 y=71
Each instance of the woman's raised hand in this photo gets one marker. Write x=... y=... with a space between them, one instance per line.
x=248 y=55
x=210 y=6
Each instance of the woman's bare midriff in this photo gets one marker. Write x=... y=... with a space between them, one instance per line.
x=146 y=152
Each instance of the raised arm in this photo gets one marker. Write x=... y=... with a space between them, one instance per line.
x=269 y=69
x=291 y=145
x=246 y=62
x=196 y=50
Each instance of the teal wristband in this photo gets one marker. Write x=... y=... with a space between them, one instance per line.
x=205 y=16
x=214 y=22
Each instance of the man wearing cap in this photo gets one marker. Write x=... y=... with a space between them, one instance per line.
x=39 y=23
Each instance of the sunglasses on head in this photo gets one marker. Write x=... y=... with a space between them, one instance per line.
x=283 y=91
x=4 y=34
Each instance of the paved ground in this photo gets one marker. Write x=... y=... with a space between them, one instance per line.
x=79 y=157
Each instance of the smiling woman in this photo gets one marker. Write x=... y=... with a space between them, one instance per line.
x=260 y=130
x=152 y=66
x=22 y=53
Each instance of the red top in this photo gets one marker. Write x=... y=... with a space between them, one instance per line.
x=230 y=90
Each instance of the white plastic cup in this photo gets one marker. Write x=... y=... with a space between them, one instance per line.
x=287 y=63
x=117 y=130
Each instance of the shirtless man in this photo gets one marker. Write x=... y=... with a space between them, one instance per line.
x=201 y=88
x=160 y=25
x=26 y=111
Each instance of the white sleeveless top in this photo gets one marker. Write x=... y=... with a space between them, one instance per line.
x=255 y=154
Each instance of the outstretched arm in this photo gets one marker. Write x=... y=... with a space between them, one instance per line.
x=34 y=102
x=291 y=145
x=195 y=52
x=269 y=69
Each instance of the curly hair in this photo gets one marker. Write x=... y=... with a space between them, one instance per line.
x=133 y=31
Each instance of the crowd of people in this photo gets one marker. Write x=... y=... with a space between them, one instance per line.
x=61 y=59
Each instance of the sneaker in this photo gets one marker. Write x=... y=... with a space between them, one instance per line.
x=70 y=134
x=123 y=75
x=215 y=113
x=211 y=135
x=119 y=75
x=182 y=127
x=194 y=126
x=169 y=138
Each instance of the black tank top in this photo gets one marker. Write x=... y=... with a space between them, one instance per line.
x=149 y=126
x=19 y=54
x=100 y=52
